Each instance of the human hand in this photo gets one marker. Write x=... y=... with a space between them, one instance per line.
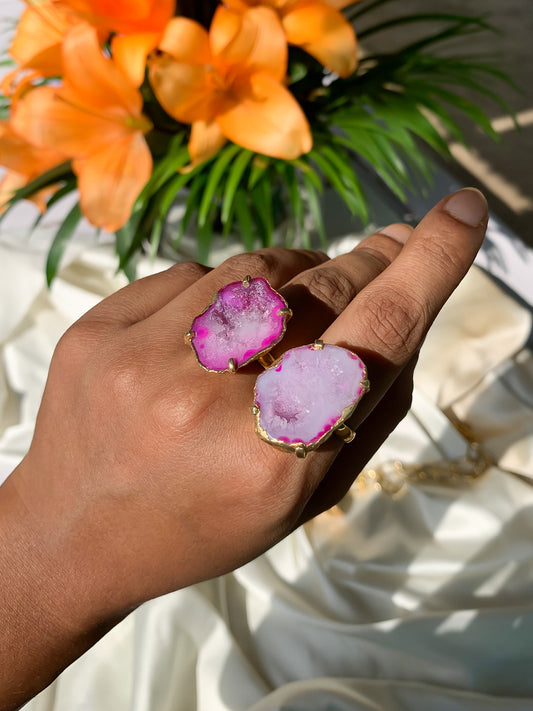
x=145 y=474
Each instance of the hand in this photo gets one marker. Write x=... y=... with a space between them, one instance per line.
x=145 y=474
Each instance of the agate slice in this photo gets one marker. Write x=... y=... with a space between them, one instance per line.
x=308 y=393
x=244 y=321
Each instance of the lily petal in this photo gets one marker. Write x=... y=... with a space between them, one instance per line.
x=37 y=40
x=9 y=184
x=205 y=141
x=186 y=41
x=19 y=156
x=324 y=33
x=24 y=162
x=124 y=16
x=130 y=53
x=97 y=81
x=254 y=40
x=110 y=181
x=183 y=90
x=238 y=5
x=266 y=119
x=135 y=9
x=159 y=15
x=48 y=119
x=15 y=83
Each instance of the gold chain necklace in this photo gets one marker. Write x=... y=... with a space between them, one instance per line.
x=394 y=477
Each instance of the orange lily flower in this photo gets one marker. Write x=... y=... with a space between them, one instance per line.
x=24 y=163
x=228 y=84
x=36 y=46
x=317 y=26
x=95 y=119
x=137 y=26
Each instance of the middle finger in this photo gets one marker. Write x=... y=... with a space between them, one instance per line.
x=318 y=295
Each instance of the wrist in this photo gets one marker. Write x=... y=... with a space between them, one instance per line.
x=71 y=542
x=50 y=610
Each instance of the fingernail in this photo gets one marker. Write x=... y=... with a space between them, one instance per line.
x=469 y=206
x=398 y=232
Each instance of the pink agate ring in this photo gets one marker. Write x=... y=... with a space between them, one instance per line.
x=245 y=320
x=301 y=398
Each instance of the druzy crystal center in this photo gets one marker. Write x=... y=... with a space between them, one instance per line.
x=246 y=319
x=307 y=393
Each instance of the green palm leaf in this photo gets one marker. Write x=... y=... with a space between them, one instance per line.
x=60 y=241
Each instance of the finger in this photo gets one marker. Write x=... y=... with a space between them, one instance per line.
x=393 y=313
x=276 y=264
x=318 y=295
x=387 y=321
x=143 y=297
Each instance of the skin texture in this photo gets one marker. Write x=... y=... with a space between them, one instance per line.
x=145 y=474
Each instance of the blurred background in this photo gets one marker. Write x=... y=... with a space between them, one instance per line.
x=428 y=560
x=502 y=170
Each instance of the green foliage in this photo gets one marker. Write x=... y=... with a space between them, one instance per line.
x=6 y=30
x=60 y=241
x=379 y=117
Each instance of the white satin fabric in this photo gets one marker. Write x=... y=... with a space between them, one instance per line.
x=418 y=601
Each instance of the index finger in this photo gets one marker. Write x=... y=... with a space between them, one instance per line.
x=390 y=317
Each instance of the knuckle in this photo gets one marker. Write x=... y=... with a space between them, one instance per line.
x=83 y=333
x=395 y=323
x=67 y=347
x=122 y=381
x=180 y=410
x=190 y=271
x=163 y=415
x=75 y=345
x=331 y=286
x=374 y=257
x=260 y=263
x=314 y=257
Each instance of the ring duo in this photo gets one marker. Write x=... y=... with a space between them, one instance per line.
x=302 y=397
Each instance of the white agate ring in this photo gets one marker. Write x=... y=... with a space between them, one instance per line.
x=306 y=395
